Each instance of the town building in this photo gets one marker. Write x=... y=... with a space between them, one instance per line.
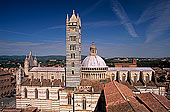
x=7 y=84
x=76 y=87
x=29 y=63
x=117 y=97
x=167 y=75
x=133 y=64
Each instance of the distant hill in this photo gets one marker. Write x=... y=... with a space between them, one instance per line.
x=57 y=57
x=40 y=58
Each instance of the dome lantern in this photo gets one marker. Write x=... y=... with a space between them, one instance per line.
x=93 y=50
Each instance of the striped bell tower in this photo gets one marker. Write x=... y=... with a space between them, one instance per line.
x=73 y=50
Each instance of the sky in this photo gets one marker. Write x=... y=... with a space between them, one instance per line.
x=119 y=28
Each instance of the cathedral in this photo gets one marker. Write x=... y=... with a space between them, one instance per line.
x=76 y=87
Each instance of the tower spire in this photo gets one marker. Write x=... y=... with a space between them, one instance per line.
x=35 y=61
x=78 y=19
x=35 y=57
x=30 y=52
x=30 y=55
x=73 y=17
x=67 y=19
x=77 y=16
x=26 y=57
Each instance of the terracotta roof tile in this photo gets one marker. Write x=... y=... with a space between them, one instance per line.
x=163 y=100
x=96 y=84
x=35 y=82
x=58 y=83
x=119 y=98
x=46 y=82
x=151 y=102
x=3 y=72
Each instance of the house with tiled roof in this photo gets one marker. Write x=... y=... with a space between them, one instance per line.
x=119 y=98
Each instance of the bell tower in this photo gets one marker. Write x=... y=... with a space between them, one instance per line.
x=26 y=65
x=73 y=50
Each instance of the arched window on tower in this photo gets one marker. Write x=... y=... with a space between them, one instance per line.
x=84 y=103
x=73 y=38
x=72 y=55
x=72 y=72
x=72 y=64
x=72 y=47
x=36 y=93
x=47 y=94
x=25 y=93
x=69 y=99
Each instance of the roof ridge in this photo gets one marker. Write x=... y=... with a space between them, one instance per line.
x=119 y=91
x=124 y=96
x=159 y=101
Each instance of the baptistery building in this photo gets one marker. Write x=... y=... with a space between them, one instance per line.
x=93 y=66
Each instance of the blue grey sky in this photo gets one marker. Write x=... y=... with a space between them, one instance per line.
x=119 y=28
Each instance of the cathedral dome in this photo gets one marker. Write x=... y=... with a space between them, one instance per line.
x=93 y=61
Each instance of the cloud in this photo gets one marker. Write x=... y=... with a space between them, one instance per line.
x=101 y=23
x=86 y=24
x=50 y=28
x=20 y=33
x=159 y=14
x=118 y=9
x=91 y=8
x=54 y=27
x=133 y=50
x=35 y=33
x=52 y=41
x=40 y=48
x=5 y=44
